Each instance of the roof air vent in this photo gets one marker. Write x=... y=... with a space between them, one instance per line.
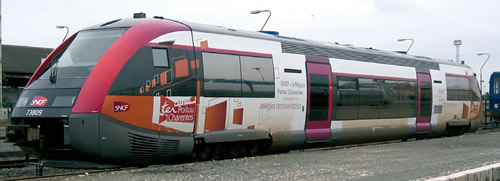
x=140 y=15
x=275 y=33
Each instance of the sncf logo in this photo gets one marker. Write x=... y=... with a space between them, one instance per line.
x=121 y=106
x=38 y=101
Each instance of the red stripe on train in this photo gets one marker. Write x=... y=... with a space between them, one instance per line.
x=99 y=82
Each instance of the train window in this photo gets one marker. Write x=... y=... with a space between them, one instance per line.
x=463 y=83
x=407 y=99
x=257 y=77
x=347 y=98
x=369 y=98
x=457 y=88
x=364 y=98
x=319 y=97
x=476 y=94
x=451 y=82
x=88 y=47
x=222 y=75
x=425 y=99
x=389 y=99
x=83 y=53
x=160 y=57
x=496 y=84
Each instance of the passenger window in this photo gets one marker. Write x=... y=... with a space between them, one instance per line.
x=458 y=88
x=451 y=82
x=347 y=99
x=365 y=98
x=222 y=75
x=369 y=98
x=463 y=83
x=237 y=76
x=257 y=77
x=408 y=99
x=160 y=57
x=389 y=98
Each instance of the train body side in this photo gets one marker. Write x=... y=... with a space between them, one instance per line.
x=286 y=115
x=165 y=90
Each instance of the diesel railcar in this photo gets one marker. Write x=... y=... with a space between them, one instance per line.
x=141 y=91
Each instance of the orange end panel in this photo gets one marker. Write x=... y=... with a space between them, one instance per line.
x=238 y=116
x=204 y=44
x=133 y=110
x=181 y=68
x=215 y=118
x=251 y=127
x=195 y=64
x=163 y=78
x=465 y=111
x=198 y=93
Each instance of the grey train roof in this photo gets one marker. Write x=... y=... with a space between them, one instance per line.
x=306 y=47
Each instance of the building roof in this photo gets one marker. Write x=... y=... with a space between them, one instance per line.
x=22 y=59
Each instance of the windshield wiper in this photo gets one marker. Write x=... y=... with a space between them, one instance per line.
x=53 y=72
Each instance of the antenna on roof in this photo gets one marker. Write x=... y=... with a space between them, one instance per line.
x=140 y=15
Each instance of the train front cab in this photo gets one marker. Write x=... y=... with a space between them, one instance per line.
x=90 y=106
x=494 y=98
x=462 y=111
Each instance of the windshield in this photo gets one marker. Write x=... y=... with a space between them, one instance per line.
x=80 y=57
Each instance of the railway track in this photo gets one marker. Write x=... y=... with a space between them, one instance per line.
x=15 y=163
x=21 y=163
x=79 y=173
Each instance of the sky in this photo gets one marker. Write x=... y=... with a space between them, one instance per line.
x=433 y=24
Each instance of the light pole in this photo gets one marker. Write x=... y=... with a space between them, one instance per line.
x=481 y=83
x=67 y=31
x=457 y=43
x=259 y=11
x=481 y=70
x=412 y=41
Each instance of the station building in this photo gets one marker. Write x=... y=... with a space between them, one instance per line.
x=18 y=64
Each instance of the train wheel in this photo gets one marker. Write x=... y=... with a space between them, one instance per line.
x=218 y=152
x=203 y=154
x=232 y=151
x=263 y=147
x=242 y=151
x=251 y=149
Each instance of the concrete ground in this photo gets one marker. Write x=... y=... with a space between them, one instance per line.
x=412 y=160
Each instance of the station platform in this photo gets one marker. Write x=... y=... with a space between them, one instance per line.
x=8 y=149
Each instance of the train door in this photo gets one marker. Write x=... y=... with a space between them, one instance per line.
x=319 y=101
x=424 y=102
